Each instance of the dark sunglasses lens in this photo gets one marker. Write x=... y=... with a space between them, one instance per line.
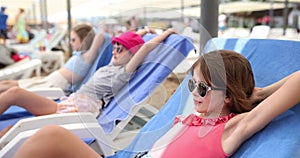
x=202 y=88
x=191 y=85
x=119 y=49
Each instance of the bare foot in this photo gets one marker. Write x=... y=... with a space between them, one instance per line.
x=4 y=131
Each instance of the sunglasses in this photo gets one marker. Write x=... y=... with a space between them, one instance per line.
x=202 y=88
x=118 y=49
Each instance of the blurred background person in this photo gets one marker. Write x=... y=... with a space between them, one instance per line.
x=222 y=23
x=20 y=27
x=134 y=22
x=82 y=37
x=3 y=24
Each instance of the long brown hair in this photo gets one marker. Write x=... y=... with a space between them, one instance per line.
x=86 y=35
x=230 y=70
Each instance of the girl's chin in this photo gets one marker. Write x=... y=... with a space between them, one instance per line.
x=199 y=109
x=116 y=64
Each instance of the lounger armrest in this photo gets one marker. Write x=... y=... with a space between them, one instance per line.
x=21 y=69
x=84 y=125
x=51 y=93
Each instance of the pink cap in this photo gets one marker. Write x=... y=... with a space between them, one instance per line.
x=130 y=40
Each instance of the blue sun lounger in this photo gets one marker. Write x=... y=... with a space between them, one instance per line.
x=271 y=60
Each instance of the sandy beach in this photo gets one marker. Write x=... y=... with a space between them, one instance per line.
x=164 y=91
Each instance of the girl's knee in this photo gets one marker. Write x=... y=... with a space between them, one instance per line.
x=50 y=133
x=14 y=90
x=11 y=93
x=52 y=130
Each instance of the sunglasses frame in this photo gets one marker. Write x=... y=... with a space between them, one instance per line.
x=73 y=39
x=119 y=49
x=192 y=84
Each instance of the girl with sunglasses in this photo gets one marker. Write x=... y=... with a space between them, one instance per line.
x=224 y=96
x=85 y=50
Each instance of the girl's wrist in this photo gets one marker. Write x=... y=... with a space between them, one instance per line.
x=261 y=94
x=171 y=30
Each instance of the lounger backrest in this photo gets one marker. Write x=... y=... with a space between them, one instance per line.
x=158 y=64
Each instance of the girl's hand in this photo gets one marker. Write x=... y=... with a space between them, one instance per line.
x=67 y=105
x=151 y=30
x=255 y=98
x=172 y=30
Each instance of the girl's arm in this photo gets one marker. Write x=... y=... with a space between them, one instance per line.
x=92 y=53
x=286 y=95
x=260 y=94
x=87 y=57
x=145 y=49
x=146 y=30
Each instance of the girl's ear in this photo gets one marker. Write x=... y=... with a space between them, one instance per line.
x=227 y=100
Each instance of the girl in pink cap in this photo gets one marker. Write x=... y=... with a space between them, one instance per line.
x=128 y=53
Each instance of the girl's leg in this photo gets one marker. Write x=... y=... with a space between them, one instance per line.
x=35 y=104
x=4 y=131
x=5 y=85
x=55 y=141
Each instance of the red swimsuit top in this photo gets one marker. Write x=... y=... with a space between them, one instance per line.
x=201 y=138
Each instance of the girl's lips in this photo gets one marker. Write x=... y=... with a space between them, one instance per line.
x=197 y=102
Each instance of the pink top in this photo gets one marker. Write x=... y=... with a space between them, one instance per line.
x=202 y=138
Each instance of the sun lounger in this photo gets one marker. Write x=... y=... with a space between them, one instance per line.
x=271 y=60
